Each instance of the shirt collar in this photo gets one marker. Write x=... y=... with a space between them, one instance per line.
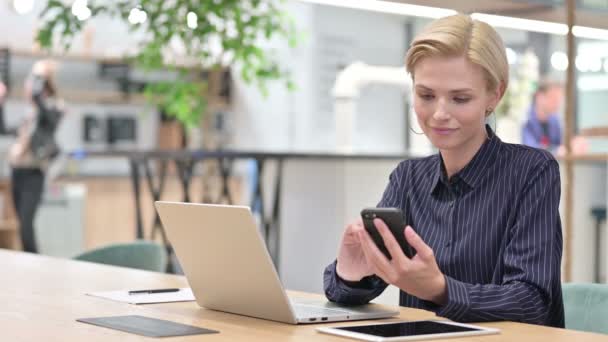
x=474 y=171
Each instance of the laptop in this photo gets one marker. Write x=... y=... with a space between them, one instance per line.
x=229 y=269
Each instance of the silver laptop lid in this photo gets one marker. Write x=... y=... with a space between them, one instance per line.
x=225 y=259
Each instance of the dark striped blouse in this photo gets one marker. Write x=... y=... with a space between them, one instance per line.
x=494 y=228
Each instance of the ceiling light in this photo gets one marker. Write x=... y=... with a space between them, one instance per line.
x=590 y=32
x=23 y=7
x=494 y=20
x=541 y=26
x=85 y=14
x=559 y=61
x=388 y=7
x=522 y=24
x=595 y=64
x=192 y=20
x=582 y=64
x=137 y=16
x=81 y=10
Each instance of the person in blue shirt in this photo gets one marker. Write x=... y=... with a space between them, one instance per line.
x=542 y=128
x=3 y=93
x=482 y=214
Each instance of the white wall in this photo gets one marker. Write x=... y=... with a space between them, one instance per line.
x=304 y=119
x=275 y=121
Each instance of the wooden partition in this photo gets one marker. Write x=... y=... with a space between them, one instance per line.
x=9 y=237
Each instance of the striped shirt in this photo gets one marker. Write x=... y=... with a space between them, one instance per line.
x=494 y=228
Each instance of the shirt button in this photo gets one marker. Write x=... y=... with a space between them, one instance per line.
x=448 y=244
x=452 y=204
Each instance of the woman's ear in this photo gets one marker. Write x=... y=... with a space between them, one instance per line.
x=499 y=92
x=502 y=87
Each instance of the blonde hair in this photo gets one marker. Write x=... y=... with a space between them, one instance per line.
x=460 y=35
x=45 y=69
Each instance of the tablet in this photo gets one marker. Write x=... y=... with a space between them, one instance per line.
x=409 y=331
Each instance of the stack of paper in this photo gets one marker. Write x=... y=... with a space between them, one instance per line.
x=183 y=295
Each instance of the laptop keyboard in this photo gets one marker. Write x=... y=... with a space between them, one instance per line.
x=305 y=311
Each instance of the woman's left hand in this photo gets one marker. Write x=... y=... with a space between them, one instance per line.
x=2 y=92
x=419 y=276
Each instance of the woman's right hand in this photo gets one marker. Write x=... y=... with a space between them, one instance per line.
x=352 y=265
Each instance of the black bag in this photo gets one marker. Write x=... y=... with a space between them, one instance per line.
x=42 y=142
x=43 y=145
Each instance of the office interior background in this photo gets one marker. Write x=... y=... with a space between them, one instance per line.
x=307 y=159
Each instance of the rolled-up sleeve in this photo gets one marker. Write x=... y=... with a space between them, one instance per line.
x=532 y=258
x=351 y=293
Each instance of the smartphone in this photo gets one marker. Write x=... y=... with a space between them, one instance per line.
x=395 y=220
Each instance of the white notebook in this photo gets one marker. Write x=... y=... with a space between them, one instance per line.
x=183 y=295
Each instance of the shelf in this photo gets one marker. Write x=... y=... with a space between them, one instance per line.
x=70 y=56
x=598 y=131
x=594 y=157
x=89 y=96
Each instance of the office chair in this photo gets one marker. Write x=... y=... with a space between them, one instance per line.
x=143 y=255
x=586 y=307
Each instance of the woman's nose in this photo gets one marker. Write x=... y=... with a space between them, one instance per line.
x=441 y=112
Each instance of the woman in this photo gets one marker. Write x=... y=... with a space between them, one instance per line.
x=34 y=148
x=482 y=214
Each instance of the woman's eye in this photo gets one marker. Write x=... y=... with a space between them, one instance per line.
x=461 y=99
x=426 y=97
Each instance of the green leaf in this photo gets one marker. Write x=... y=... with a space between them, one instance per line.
x=44 y=37
x=184 y=97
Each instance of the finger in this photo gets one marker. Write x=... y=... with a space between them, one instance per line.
x=354 y=227
x=390 y=242
x=422 y=249
x=373 y=254
x=358 y=225
x=359 y=222
x=352 y=231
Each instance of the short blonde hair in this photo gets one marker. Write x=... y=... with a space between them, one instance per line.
x=46 y=69
x=460 y=35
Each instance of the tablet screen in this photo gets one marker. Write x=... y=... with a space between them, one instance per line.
x=408 y=329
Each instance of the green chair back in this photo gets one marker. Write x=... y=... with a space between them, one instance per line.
x=143 y=255
x=586 y=307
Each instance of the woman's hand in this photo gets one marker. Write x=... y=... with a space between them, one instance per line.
x=2 y=92
x=352 y=264
x=419 y=276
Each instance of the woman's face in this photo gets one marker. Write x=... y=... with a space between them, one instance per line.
x=451 y=100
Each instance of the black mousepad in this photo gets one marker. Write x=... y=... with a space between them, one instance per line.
x=146 y=326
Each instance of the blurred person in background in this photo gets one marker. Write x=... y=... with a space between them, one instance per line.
x=3 y=94
x=543 y=128
x=35 y=147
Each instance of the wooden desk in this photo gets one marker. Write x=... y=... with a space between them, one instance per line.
x=41 y=297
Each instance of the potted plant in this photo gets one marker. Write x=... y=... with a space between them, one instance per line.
x=211 y=34
x=512 y=110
